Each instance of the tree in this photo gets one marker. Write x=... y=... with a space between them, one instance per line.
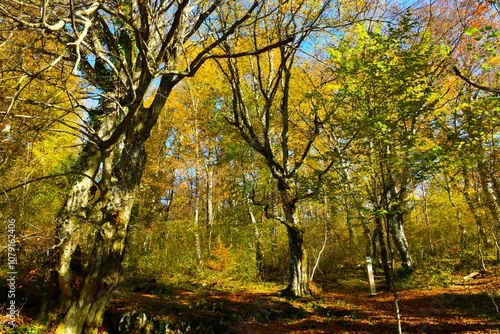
x=385 y=82
x=282 y=121
x=123 y=52
x=469 y=127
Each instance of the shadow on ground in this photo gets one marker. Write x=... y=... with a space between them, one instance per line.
x=163 y=308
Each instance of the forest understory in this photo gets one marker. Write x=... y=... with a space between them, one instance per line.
x=431 y=300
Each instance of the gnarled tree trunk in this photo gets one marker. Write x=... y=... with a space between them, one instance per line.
x=84 y=296
x=395 y=220
x=298 y=279
x=298 y=282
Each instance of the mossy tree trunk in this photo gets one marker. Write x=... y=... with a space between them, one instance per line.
x=298 y=278
x=100 y=204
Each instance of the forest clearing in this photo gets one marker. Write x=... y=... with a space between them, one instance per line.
x=234 y=166
x=341 y=307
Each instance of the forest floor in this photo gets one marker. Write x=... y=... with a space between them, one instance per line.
x=341 y=306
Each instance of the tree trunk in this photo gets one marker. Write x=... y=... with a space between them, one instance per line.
x=349 y=188
x=376 y=261
x=427 y=219
x=196 y=221
x=492 y=206
x=210 y=192
x=395 y=220
x=99 y=207
x=298 y=280
x=470 y=204
x=379 y=230
x=259 y=254
x=396 y=228
x=83 y=298
x=350 y=227
x=196 y=209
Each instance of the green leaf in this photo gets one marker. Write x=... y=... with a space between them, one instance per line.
x=471 y=31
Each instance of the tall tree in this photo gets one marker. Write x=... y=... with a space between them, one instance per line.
x=281 y=119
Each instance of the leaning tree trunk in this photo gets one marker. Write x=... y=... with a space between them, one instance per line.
x=396 y=228
x=101 y=202
x=83 y=298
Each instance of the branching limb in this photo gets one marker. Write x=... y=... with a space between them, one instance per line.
x=49 y=177
x=475 y=85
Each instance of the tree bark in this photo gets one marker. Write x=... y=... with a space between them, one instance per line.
x=379 y=232
x=473 y=208
x=492 y=205
x=196 y=198
x=395 y=220
x=209 y=167
x=83 y=299
x=350 y=227
x=481 y=233
x=396 y=228
x=298 y=282
x=298 y=279
x=458 y=215
x=259 y=254
x=427 y=218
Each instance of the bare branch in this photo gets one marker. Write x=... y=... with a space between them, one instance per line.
x=50 y=177
x=473 y=84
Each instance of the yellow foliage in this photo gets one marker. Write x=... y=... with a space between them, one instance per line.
x=221 y=259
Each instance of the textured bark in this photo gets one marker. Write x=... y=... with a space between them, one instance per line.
x=492 y=205
x=380 y=237
x=396 y=228
x=83 y=299
x=395 y=220
x=298 y=280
